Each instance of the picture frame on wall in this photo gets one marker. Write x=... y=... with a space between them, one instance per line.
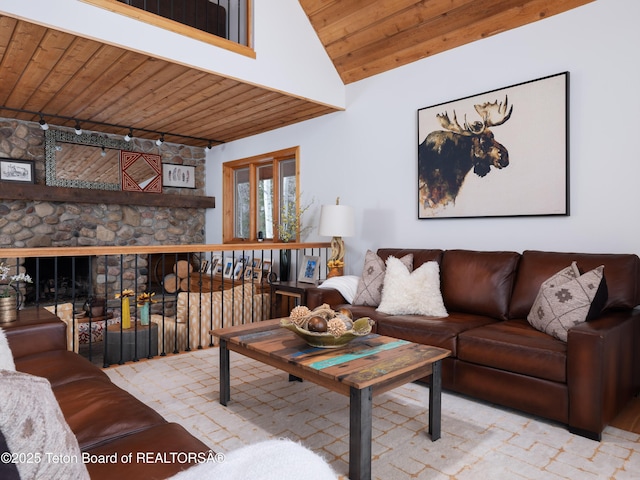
x=12 y=170
x=501 y=153
x=181 y=176
x=309 y=269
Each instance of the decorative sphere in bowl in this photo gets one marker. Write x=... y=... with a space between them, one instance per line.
x=336 y=329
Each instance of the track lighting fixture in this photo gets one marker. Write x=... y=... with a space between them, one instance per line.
x=43 y=125
x=103 y=153
x=144 y=132
x=209 y=147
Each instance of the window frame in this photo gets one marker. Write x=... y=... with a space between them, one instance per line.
x=228 y=188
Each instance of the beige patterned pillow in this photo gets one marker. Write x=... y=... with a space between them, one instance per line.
x=567 y=299
x=369 y=290
x=32 y=424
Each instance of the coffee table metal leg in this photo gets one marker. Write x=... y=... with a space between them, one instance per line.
x=360 y=409
x=225 y=388
x=435 y=401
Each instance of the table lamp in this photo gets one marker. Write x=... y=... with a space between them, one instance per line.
x=336 y=221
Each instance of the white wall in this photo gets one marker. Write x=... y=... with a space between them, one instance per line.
x=367 y=154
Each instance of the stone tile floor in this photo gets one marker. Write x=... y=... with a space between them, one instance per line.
x=478 y=439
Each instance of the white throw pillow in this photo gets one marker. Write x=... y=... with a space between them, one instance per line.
x=267 y=460
x=346 y=285
x=6 y=357
x=412 y=293
x=369 y=292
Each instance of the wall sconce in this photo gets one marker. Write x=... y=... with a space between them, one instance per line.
x=336 y=221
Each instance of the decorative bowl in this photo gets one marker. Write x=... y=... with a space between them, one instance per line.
x=361 y=327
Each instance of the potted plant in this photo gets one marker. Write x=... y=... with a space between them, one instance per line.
x=9 y=294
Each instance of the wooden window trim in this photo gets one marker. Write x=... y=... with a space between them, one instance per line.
x=177 y=27
x=228 y=196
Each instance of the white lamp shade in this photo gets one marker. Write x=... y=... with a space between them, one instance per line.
x=336 y=221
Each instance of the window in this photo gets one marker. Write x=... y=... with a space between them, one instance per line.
x=258 y=191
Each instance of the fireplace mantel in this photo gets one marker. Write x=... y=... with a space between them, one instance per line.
x=22 y=191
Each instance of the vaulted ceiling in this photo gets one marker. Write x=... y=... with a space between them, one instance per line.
x=46 y=70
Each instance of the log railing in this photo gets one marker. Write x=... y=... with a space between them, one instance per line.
x=80 y=285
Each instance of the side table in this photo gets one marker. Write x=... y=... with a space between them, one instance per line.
x=133 y=343
x=286 y=295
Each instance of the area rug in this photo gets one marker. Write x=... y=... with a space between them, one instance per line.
x=479 y=440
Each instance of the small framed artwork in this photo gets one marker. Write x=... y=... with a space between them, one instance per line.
x=256 y=275
x=256 y=264
x=213 y=265
x=228 y=268
x=182 y=176
x=204 y=266
x=266 y=267
x=248 y=273
x=16 y=170
x=309 y=269
x=238 y=270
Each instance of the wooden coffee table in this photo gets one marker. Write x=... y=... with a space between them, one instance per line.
x=365 y=367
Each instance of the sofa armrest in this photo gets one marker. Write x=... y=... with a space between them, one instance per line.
x=35 y=331
x=601 y=372
x=317 y=296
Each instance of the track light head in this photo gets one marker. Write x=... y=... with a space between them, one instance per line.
x=78 y=129
x=43 y=125
x=209 y=147
x=103 y=153
x=129 y=136
x=160 y=141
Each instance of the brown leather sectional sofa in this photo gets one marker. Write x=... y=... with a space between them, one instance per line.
x=105 y=419
x=498 y=357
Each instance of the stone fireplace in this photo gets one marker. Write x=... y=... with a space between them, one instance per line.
x=38 y=223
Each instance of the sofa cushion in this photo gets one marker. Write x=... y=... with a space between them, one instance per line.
x=478 y=282
x=158 y=441
x=99 y=411
x=31 y=422
x=515 y=346
x=436 y=331
x=412 y=293
x=60 y=367
x=567 y=299
x=370 y=286
x=622 y=271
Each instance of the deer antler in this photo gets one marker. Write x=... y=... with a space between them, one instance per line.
x=494 y=114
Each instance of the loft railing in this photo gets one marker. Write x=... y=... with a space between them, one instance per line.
x=195 y=288
x=229 y=19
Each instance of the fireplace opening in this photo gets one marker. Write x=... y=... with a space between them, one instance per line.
x=57 y=278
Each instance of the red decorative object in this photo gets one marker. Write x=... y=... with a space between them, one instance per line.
x=141 y=172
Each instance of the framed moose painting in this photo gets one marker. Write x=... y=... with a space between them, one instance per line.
x=499 y=153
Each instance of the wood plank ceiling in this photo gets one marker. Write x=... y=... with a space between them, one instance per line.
x=365 y=38
x=46 y=70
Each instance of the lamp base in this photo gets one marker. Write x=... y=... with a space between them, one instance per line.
x=335 y=272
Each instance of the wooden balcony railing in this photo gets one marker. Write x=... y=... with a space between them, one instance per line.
x=195 y=288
